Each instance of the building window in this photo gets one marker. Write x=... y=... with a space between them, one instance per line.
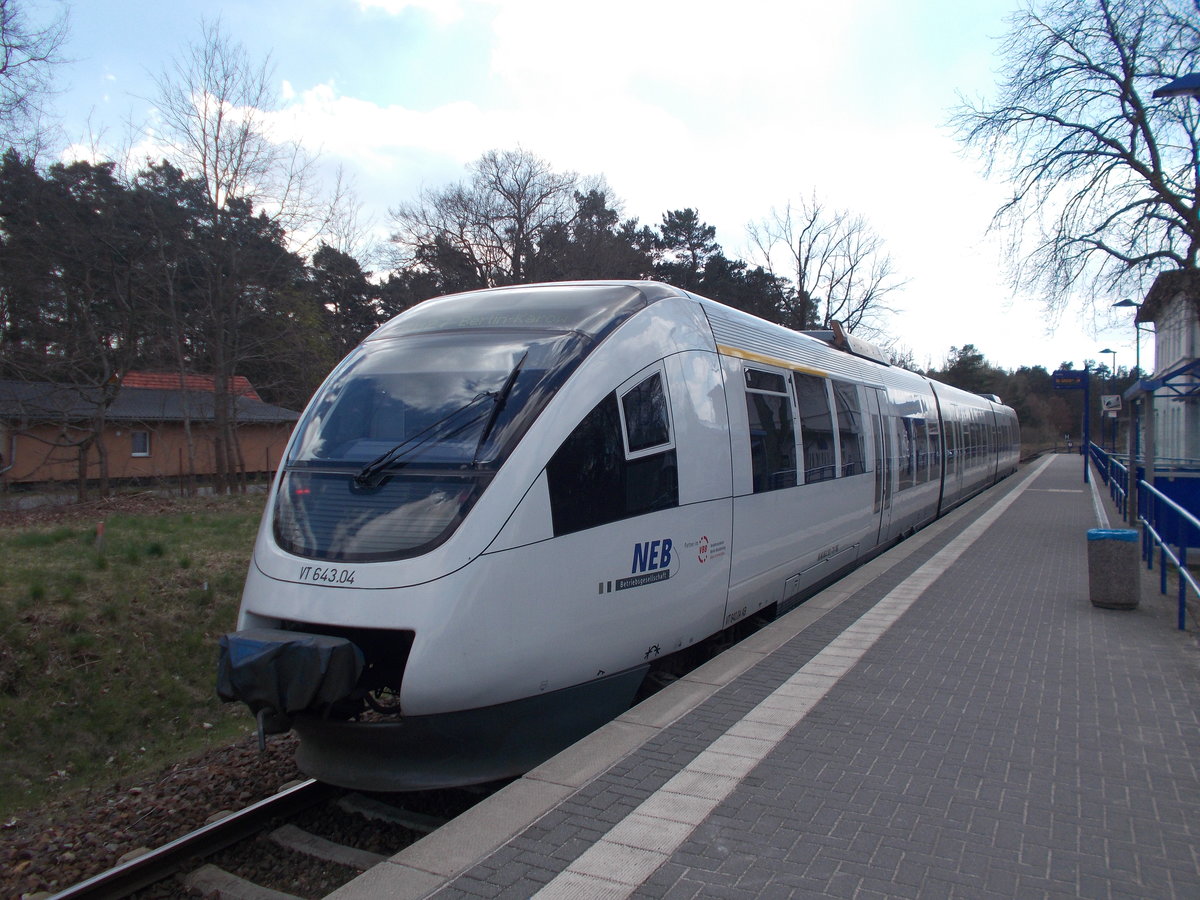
x=140 y=441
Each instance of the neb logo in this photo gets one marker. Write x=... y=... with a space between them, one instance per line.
x=649 y=556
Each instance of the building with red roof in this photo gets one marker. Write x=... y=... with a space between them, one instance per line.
x=50 y=432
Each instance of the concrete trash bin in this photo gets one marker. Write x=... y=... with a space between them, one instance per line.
x=1114 y=574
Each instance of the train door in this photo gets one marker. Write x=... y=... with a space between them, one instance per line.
x=876 y=403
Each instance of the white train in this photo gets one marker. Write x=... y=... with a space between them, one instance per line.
x=505 y=506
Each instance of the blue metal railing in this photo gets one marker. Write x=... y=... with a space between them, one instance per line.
x=1114 y=474
x=1166 y=524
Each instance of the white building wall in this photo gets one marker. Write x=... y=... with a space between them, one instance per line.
x=1176 y=341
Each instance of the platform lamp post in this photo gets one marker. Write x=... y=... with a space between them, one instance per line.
x=1112 y=380
x=1135 y=412
x=1137 y=340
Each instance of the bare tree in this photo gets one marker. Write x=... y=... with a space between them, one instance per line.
x=489 y=226
x=213 y=107
x=1104 y=178
x=838 y=263
x=27 y=55
x=345 y=229
x=213 y=104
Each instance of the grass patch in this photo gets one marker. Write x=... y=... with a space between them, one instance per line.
x=108 y=646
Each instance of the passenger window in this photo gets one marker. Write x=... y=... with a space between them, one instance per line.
x=816 y=427
x=647 y=418
x=772 y=382
x=850 y=428
x=592 y=481
x=904 y=454
x=772 y=435
x=920 y=438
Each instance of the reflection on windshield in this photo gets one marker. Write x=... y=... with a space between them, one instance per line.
x=450 y=425
x=405 y=436
x=389 y=393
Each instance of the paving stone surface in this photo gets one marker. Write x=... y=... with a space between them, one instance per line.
x=1002 y=738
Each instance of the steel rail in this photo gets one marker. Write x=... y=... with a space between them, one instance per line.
x=154 y=866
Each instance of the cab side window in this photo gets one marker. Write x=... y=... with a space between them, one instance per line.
x=617 y=463
x=647 y=416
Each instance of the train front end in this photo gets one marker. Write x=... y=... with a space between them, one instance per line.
x=371 y=622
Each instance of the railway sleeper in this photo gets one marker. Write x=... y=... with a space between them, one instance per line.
x=212 y=881
x=370 y=808
x=291 y=837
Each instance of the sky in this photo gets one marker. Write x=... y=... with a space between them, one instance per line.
x=733 y=109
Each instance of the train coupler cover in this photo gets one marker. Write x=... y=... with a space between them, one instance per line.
x=286 y=672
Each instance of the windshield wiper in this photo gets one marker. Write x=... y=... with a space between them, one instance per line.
x=436 y=429
x=498 y=406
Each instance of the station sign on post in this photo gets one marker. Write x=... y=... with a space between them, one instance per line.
x=1070 y=379
x=1110 y=404
x=1078 y=380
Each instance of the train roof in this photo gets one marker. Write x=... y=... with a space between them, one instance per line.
x=586 y=307
x=595 y=308
x=591 y=308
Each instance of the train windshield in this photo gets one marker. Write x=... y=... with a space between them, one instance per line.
x=406 y=434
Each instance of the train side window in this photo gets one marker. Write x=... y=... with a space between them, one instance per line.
x=920 y=438
x=935 y=449
x=592 y=482
x=816 y=427
x=772 y=434
x=647 y=415
x=772 y=382
x=850 y=428
x=904 y=454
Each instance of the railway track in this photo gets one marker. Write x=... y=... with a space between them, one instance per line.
x=306 y=840
x=310 y=838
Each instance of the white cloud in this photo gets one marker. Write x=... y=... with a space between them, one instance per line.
x=444 y=12
x=730 y=109
x=367 y=134
x=918 y=193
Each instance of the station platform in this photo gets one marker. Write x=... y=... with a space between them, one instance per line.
x=954 y=719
